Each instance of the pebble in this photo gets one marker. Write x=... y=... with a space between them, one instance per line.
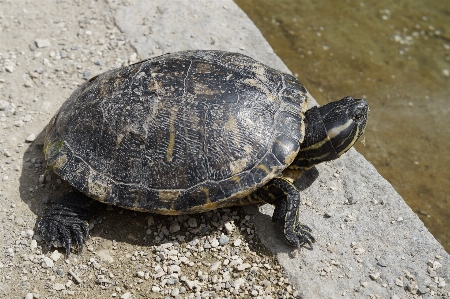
x=42 y=43
x=192 y=222
x=33 y=245
x=127 y=295
x=30 y=138
x=215 y=266
x=223 y=240
x=175 y=292
x=86 y=74
x=105 y=256
x=237 y=242
x=174 y=227
x=59 y=287
x=215 y=243
x=243 y=266
x=9 y=68
x=29 y=296
x=26 y=118
x=47 y=262
x=18 y=123
x=3 y=105
x=150 y=220
x=229 y=226
x=55 y=255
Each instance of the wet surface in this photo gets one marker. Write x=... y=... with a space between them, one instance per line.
x=397 y=56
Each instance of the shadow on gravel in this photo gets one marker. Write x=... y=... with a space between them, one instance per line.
x=39 y=187
x=262 y=218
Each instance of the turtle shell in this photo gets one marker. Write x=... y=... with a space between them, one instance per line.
x=180 y=133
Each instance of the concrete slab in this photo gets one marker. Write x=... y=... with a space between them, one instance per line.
x=369 y=242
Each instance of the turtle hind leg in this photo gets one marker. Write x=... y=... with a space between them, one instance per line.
x=66 y=221
x=286 y=199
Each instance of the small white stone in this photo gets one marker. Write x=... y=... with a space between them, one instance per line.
x=359 y=251
x=215 y=266
x=42 y=43
x=55 y=255
x=133 y=57
x=33 y=245
x=18 y=123
x=156 y=289
x=229 y=226
x=140 y=274
x=214 y=243
x=29 y=296
x=127 y=295
x=26 y=118
x=243 y=266
x=175 y=292
x=59 y=287
x=105 y=256
x=47 y=262
x=237 y=242
x=9 y=68
x=3 y=105
x=399 y=282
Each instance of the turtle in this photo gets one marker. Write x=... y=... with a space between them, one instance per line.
x=189 y=132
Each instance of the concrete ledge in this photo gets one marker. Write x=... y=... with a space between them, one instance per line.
x=369 y=242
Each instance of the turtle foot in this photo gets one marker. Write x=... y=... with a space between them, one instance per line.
x=65 y=222
x=301 y=234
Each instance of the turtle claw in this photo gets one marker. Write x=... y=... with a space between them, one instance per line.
x=65 y=222
x=300 y=235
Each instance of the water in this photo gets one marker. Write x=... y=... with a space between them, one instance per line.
x=396 y=54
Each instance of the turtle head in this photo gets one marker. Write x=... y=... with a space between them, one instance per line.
x=331 y=130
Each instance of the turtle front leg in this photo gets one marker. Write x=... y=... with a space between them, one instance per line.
x=66 y=221
x=286 y=199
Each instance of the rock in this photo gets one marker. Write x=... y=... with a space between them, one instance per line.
x=55 y=255
x=18 y=123
x=9 y=68
x=156 y=289
x=375 y=276
x=42 y=43
x=59 y=287
x=47 y=262
x=29 y=296
x=140 y=274
x=223 y=240
x=105 y=256
x=3 y=105
x=215 y=266
x=127 y=295
x=174 y=227
x=237 y=242
x=229 y=226
x=243 y=266
x=192 y=222
x=175 y=292
x=33 y=245
x=214 y=243
x=27 y=118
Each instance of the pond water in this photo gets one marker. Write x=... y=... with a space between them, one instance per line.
x=396 y=54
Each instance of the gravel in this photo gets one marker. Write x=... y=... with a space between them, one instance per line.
x=50 y=48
